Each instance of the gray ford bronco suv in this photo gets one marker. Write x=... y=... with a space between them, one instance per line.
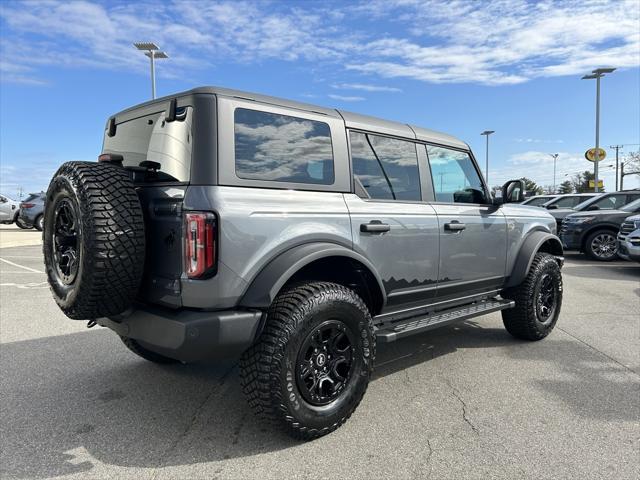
x=220 y=224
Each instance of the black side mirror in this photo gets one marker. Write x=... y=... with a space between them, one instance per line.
x=512 y=192
x=593 y=207
x=552 y=207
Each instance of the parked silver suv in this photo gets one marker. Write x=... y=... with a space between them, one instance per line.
x=221 y=224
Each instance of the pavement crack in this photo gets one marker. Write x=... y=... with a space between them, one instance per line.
x=465 y=417
x=194 y=418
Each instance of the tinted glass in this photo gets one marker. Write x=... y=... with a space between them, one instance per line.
x=281 y=148
x=536 y=202
x=386 y=168
x=151 y=138
x=632 y=207
x=611 y=202
x=455 y=179
x=566 y=202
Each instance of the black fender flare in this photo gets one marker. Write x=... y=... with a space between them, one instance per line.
x=266 y=285
x=530 y=247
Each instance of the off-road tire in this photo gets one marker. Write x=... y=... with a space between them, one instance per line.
x=21 y=223
x=523 y=321
x=142 y=352
x=588 y=246
x=268 y=369
x=111 y=241
x=38 y=224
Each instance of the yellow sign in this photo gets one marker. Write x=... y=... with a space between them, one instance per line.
x=592 y=183
x=591 y=154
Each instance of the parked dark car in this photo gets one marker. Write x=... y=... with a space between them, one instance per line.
x=604 y=201
x=594 y=232
x=32 y=210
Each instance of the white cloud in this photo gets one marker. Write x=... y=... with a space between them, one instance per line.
x=365 y=87
x=346 y=98
x=438 y=41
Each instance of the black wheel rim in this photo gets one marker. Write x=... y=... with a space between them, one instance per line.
x=66 y=242
x=604 y=245
x=546 y=299
x=325 y=362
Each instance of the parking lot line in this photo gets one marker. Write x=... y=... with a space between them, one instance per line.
x=29 y=269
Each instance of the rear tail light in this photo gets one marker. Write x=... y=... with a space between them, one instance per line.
x=200 y=244
x=27 y=205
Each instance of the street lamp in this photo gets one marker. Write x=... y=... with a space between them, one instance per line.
x=597 y=74
x=152 y=51
x=555 y=157
x=486 y=171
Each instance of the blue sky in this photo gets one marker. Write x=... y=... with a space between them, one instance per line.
x=459 y=66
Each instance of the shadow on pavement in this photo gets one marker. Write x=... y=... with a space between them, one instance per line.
x=83 y=392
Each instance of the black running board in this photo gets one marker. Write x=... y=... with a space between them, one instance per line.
x=393 y=331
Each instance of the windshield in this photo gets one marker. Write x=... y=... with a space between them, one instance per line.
x=588 y=202
x=632 y=207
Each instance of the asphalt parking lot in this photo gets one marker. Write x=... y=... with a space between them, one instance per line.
x=460 y=402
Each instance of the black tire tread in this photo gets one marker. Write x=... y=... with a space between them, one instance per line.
x=114 y=238
x=260 y=365
x=520 y=321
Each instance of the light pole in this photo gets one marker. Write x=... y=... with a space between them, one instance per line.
x=486 y=171
x=617 y=149
x=152 y=51
x=555 y=157
x=597 y=74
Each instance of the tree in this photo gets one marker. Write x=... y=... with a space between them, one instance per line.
x=531 y=187
x=566 y=187
x=581 y=181
x=631 y=166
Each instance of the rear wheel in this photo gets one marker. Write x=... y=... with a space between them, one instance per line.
x=538 y=300
x=311 y=366
x=93 y=239
x=602 y=245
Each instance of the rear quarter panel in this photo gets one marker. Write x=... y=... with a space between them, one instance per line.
x=254 y=226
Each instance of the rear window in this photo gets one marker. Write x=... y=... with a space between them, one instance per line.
x=282 y=148
x=152 y=138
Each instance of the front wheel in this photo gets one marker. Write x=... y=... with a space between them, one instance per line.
x=311 y=365
x=538 y=300
x=602 y=245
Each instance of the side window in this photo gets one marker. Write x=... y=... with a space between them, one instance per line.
x=455 y=179
x=281 y=148
x=611 y=202
x=386 y=168
x=567 y=202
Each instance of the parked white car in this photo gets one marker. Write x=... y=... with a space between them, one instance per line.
x=629 y=239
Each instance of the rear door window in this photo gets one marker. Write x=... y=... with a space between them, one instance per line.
x=282 y=148
x=385 y=168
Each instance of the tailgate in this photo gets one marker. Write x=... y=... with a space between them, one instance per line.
x=162 y=207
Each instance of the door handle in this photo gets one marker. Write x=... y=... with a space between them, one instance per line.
x=454 y=226
x=375 y=226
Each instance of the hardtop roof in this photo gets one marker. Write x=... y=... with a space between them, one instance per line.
x=352 y=120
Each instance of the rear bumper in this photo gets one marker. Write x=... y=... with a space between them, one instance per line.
x=188 y=335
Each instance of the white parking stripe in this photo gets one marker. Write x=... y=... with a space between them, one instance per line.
x=29 y=269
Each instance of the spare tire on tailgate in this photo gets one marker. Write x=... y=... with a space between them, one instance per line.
x=93 y=239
